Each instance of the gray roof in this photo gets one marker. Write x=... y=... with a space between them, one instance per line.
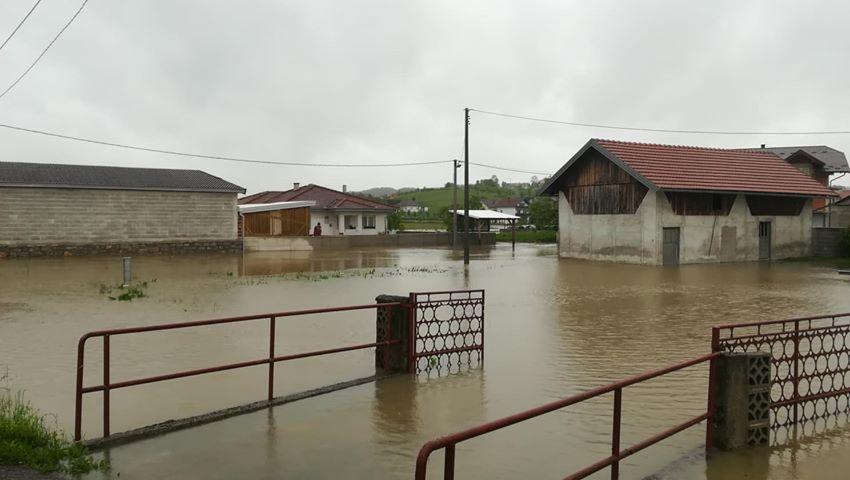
x=833 y=160
x=54 y=175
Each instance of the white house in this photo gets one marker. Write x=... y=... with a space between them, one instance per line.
x=412 y=206
x=338 y=213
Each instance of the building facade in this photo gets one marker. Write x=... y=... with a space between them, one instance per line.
x=54 y=209
x=338 y=213
x=665 y=205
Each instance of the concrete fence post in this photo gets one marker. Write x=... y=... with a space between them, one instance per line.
x=742 y=402
x=392 y=323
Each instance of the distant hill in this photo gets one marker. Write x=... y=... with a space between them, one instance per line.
x=438 y=198
x=381 y=192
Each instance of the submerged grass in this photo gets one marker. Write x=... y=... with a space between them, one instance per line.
x=125 y=293
x=27 y=440
x=333 y=274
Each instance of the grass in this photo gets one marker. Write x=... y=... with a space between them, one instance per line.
x=537 y=236
x=126 y=293
x=27 y=440
x=424 y=224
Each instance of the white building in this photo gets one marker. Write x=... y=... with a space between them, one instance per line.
x=412 y=206
x=338 y=213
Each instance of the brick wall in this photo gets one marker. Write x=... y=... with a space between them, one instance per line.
x=65 y=216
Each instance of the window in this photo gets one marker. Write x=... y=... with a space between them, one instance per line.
x=351 y=222
x=369 y=221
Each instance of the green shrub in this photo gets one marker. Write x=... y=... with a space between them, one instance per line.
x=844 y=245
x=26 y=439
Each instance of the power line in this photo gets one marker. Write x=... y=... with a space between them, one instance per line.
x=509 y=169
x=19 y=25
x=77 y=13
x=212 y=157
x=661 y=130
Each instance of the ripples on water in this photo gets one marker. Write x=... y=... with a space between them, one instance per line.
x=554 y=328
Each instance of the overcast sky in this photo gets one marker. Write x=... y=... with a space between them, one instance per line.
x=387 y=81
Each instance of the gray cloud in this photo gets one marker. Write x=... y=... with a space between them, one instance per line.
x=386 y=81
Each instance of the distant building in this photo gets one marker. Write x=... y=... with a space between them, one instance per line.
x=511 y=206
x=834 y=214
x=412 y=206
x=56 y=209
x=662 y=204
x=339 y=213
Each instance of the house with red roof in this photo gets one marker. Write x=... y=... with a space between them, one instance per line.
x=667 y=204
x=335 y=212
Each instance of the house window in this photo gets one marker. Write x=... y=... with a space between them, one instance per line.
x=369 y=221
x=351 y=222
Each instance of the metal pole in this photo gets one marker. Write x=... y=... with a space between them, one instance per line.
x=455 y=166
x=128 y=272
x=466 y=186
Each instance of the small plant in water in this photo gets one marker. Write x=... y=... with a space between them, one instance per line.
x=125 y=293
x=27 y=440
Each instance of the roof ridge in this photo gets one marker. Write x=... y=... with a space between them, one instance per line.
x=667 y=145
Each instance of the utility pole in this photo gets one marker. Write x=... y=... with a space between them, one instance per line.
x=455 y=166
x=466 y=186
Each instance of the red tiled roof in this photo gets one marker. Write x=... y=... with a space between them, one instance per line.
x=674 y=167
x=325 y=198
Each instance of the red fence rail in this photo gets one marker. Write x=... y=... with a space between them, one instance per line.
x=108 y=385
x=617 y=454
x=810 y=358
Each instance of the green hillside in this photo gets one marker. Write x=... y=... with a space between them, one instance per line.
x=438 y=198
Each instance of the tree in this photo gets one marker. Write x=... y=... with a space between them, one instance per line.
x=394 y=221
x=543 y=213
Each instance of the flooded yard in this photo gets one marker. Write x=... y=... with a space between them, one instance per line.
x=554 y=328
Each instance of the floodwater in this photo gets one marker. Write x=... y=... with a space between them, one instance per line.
x=554 y=328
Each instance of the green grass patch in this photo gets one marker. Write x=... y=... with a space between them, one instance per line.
x=126 y=293
x=537 y=236
x=416 y=224
x=27 y=440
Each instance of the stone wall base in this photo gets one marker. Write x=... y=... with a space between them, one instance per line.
x=143 y=248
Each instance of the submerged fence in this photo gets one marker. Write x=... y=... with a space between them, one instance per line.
x=449 y=442
x=436 y=330
x=810 y=360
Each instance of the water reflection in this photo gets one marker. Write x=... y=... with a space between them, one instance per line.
x=554 y=327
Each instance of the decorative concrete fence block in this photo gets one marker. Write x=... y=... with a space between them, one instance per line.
x=742 y=415
x=392 y=323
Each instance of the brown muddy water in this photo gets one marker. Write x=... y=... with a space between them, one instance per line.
x=554 y=328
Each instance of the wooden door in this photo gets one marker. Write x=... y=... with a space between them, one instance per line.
x=670 y=252
x=764 y=240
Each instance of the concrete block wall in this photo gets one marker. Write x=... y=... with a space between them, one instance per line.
x=826 y=241
x=614 y=238
x=44 y=216
x=734 y=237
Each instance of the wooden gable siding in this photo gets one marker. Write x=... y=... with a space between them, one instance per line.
x=596 y=186
x=687 y=203
x=277 y=223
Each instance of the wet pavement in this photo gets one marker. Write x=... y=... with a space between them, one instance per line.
x=554 y=327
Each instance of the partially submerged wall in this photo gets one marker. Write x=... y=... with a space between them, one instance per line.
x=638 y=238
x=339 y=242
x=626 y=238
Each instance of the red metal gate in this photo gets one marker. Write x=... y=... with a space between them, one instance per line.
x=811 y=363
x=448 y=330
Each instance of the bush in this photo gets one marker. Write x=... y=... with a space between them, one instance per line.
x=25 y=439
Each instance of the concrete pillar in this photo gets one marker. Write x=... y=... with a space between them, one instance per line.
x=742 y=402
x=395 y=321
